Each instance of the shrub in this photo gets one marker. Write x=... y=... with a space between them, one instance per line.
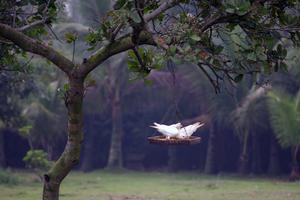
x=8 y=178
x=37 y=159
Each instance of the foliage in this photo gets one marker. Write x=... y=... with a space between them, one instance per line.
x=22 y=13
x=285 y=117
x=25 y=130
x=13 y=89
x=8 y=178
x=256 y=42
x=37 y=159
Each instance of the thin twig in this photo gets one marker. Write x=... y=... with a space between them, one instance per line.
x=216 y=86
x=53 y=33
x=74 y=45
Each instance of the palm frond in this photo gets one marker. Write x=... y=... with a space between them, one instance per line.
x=285 y=118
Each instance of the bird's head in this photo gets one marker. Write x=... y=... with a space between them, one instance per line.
x=178 y=125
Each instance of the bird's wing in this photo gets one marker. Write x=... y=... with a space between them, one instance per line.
x=170 y=129
x=190 y=129
x=166 y=130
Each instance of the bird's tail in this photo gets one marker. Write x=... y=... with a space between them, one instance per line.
x=198 y=125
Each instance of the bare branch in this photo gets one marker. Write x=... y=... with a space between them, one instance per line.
x=211 y=80
x=31 y=25
x=37 y=47
x=116 y=31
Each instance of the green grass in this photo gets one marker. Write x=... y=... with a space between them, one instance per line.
x=127 y=185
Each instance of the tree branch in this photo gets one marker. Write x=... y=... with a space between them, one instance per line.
x=219 y=18
x=120 y=45
x=32 y=25
x=37 y=47
x=162 y=8
x=211 y=80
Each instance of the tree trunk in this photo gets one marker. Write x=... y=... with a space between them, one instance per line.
x=274 y=168
x=255 y=156
x=71 y=154
x=2 y=152
x=244 y=156
x=87 y=151
x=115 y=159
x=295 y=167
x=294 y=157
x=211 y=160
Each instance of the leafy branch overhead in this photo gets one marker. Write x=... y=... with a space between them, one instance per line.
x=229 y=38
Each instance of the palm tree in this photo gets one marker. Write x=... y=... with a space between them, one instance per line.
x=247 y=119
x=285 y=120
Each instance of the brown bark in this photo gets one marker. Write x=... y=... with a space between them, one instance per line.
x=70 y=156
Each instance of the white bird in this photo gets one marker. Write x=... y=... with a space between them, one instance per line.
x=187 y=131
x=168 y=130
x=177 y=125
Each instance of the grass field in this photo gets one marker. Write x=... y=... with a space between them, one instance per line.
x=127 y=185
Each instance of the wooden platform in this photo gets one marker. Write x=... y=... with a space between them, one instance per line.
x=174 y=141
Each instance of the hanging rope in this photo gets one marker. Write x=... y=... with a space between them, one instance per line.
x=171 y=68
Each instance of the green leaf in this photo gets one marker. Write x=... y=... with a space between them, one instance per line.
x=230 y=10
x=66 y=87
x=236 y=39
x=238 y=78
x=283 y=66
x=25 y=130
x=135 y=17
x=70 y=37
x=119 y=4
x=195 y=37
x=172 y=50
x=252 y=56
x=243 y=8
x=266 y=68
x=218 y=49
x=279 y=49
